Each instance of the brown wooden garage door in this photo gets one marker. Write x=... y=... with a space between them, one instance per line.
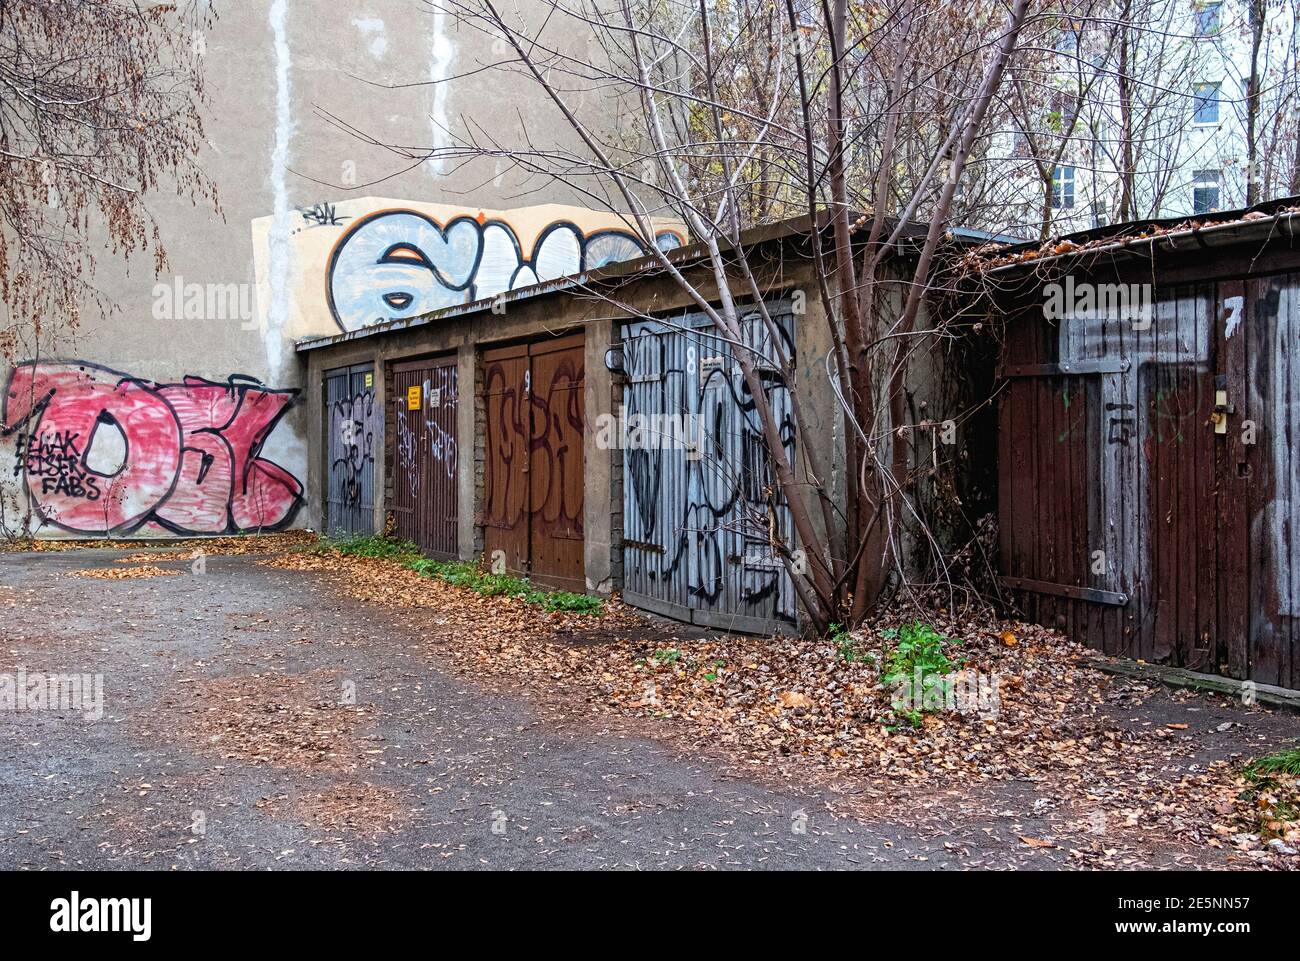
x=1148 y=487
x=425 y=455
x=534 y=469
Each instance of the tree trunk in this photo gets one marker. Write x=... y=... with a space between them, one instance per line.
x=1126 y=174
x=1257 y=15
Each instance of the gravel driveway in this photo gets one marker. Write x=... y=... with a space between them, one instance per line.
x=475 y=780
x=254 y=718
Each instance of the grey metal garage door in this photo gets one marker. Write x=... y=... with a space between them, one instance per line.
x=353 y=435
x=699 y=524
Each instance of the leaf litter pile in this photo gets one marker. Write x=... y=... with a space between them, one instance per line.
x=146 y=561
x=230 y=546
x=365 y=809
x=124 y=573
x=817 y=710
x=293 y=722
x=145 y=557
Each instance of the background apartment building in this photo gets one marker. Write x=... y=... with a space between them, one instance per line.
x=1144 y=109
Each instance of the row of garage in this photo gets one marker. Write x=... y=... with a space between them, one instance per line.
x=554 y=457
x=1140 y=471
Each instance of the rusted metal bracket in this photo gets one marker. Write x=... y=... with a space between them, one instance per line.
x=1069 y=368
x=1065 y=590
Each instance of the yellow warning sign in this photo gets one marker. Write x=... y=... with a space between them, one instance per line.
x=370 y=380
x=413 y=398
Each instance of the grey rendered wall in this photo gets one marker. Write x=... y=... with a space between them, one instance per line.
x=274 y=71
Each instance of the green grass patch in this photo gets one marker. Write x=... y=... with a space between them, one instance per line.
x=459 y=573
x=1267 y=768
x=1273 y=799
x=463 y=574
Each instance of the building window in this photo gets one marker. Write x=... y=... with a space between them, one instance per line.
x=1062 y=188
x=1205 y=191
x=1064 y=108
x=1205 y=103
x=1208 y=18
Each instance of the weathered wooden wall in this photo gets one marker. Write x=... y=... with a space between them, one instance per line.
x=1126 y=519
x=533 y=482
x=426 y=455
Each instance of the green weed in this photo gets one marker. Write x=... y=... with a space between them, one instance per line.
x=462 y=574
x=919 y=653
x=370 y=545
x=847 y=645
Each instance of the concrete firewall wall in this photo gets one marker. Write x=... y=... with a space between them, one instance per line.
x=182 y=410
x=100 y=451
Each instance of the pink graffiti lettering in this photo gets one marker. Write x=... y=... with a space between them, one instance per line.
x=106 y=453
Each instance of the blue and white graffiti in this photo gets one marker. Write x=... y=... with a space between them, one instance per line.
x=395 y=264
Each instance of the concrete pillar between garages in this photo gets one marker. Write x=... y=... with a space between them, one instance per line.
x=467 y=493
x=598 y=494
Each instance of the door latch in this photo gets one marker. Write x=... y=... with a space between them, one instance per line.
x=1219 y=416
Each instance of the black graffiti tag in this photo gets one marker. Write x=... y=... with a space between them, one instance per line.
x=56 y=459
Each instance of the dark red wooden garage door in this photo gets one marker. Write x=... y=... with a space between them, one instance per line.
x=1149 y=495
x=425 y=454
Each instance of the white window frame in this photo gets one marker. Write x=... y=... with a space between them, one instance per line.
x=1205 y=180
x=1202 y=8
x=1218 y=104
x=1059 y=185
